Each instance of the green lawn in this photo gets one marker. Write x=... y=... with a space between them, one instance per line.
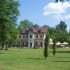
x=32 y=59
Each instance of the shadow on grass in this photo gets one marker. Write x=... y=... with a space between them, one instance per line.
x=62 y=57
x=1 y=53
x=35 y=58
x=61 y=61
x=61 y=51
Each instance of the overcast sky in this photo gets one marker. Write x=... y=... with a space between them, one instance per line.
x=44 y=12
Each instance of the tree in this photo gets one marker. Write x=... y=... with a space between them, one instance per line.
x=68 y=38
x=8 y=15
x=61 y=26
x=35 y=26
x=60 y=0
x=50 y=29
x=54 y=46
x=14 y=33
x=60 y=36
x=69 y=32
x=46 y=26
x=25 y=24
x=46 y=45
x=61 y=33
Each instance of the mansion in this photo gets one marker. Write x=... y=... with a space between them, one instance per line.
x=33 y=37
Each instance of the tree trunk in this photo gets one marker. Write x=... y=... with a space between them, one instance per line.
x=2 y=46
x=6 y=48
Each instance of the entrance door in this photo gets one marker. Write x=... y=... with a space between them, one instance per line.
x=30 y=44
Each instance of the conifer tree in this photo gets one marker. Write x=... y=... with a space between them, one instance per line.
x=54 y=47
x=46 y=45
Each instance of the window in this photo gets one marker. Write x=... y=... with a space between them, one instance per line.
x=40 y=36
x=36 y=36
x=26 y=36
x=30 y=44
x=23 y=36
x=39 y=31
x=41 y=44
x=30 y=36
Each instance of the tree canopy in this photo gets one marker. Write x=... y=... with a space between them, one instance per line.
x=61 y=26
x=60 y=0
x=8 y=15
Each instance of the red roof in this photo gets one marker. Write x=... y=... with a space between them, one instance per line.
x=39 y=30
x=24 y=31
x=35 y=30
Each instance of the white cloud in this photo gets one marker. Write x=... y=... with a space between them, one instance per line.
x=58 y=17
x=67 y=16
x=56 y=8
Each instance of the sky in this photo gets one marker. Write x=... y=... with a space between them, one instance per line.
x=44 y=12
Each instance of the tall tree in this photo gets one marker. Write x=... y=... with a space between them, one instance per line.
x=69 y=32
x=46 y=45
x=8 y=15
x=61 y=26
x=68 y=38
x=25 y=24
x=54 y=46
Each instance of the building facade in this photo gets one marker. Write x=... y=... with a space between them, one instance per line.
x=32 y=37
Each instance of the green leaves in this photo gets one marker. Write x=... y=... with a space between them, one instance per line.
x=60 y=0
x=54 y=47
x=46 y=45
x=61 y=26
x=8 y=15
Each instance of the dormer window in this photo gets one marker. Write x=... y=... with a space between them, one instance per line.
x=39 y=31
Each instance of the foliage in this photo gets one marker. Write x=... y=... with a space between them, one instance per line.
x=68 y=38
x=35 y=26
x=54 y=47
x=61 y=26
x=60 y=33
x=61 y=36
x=50 y=29
x=60 y=0
x=46 y=45
x=25 y=24
x=46 y=26
x=8 y=15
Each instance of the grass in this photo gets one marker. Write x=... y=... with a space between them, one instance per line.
x=33 y=59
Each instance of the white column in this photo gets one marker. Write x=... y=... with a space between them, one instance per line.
x=32 y=44
x=28 y=44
